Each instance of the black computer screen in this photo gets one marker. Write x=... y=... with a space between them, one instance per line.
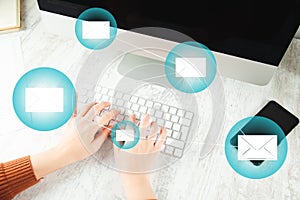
x=252 y=29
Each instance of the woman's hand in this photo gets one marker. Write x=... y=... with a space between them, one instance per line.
x=83 y=136
x=134 y=162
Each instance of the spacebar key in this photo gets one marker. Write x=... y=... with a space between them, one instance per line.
x=175 y=143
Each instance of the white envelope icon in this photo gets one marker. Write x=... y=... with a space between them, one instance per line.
x=125 y=135
x=44 y=100
x=257 y=147
x=95 y=29
x=190 y=67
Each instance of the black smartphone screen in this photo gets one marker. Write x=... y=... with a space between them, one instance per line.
x=274 y=111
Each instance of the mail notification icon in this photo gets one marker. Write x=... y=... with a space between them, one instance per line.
x=190 y=67
x=257 y=147
x=44 y=100
x=95 y=29
x=125 y=135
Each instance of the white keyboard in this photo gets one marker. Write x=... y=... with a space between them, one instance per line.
x=176 y=121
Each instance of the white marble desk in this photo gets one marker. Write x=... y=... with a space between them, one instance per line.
x=190 y=177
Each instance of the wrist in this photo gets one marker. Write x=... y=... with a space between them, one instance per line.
x=49 y=161
x=137 y=186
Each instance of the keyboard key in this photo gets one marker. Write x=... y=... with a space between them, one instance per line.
x=174 y=118
x=157 y=106
x=126 y=97
x=169 y=132
x=119 y=95
x=183 y=136
x=169 y=150
x=173 y=110
x=158 y=114
x=114 y=100
x=180 y=113
x=176 y=135
x=110 y=93
x=160 y=122
x=120 y=102
x=97 y=97
x=175 y=143
x=128 y=105
x=105 y=98
x=176 y=127
x=141 y=101
x=153 y=119
x=149 y=104
x=143 y=109
x=185 y=121
x=165 y=108
x=178 y=152
x=133 y=99
x=104 y=90
x=189 y=115
x=184 y=132
x=168 y=124
x=167 y=116
x=135 y=107
x=151 y=111
x=129 y=112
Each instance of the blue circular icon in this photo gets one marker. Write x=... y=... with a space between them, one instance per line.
x=125 y=125
x=96 y=28
x=190 y=67
x=44 y=99
x=256 y=147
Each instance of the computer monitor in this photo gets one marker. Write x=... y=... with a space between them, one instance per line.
x=248 y=38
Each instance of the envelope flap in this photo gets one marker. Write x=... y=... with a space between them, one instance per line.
x=257 y=142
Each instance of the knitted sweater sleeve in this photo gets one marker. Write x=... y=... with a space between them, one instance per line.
x=15 y=177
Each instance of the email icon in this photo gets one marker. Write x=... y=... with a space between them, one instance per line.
x=44 y=100
x=190 y=67
x=95 y=29
x=257 y=147
x=125 y=135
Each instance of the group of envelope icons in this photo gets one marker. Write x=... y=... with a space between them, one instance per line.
x=250 y=147
x=186 y=67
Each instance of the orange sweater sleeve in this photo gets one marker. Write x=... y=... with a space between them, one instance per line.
x=16 y=176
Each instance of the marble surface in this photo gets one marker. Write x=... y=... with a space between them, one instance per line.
x=188 y=178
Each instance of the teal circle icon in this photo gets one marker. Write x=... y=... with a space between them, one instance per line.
x=190 y=67
x=44 y=99
x=95 y=28
x=256 y=147
x=123 y=126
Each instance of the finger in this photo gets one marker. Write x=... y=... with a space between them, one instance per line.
x=87 y=108
x=153 y=131
x=133 y=118
x=145 y=121
x=101 y=137
x=107 y=130
x=161 y=138
x=104 y=119
x=96 y=109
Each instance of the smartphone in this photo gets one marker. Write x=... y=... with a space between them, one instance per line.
x=274 y=111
